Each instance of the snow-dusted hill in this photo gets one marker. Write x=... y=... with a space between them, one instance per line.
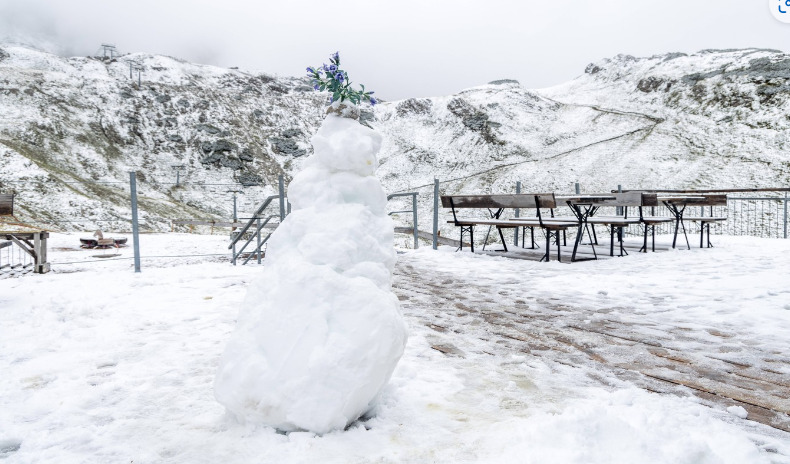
x=71 y=130
x=711 y=119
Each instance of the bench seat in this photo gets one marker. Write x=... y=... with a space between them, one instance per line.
x=515 y=222
x=614 y=220
x=656 y=219
x=705 y=218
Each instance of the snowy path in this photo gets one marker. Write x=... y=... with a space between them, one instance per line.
x=507 y=361
x=630 y=338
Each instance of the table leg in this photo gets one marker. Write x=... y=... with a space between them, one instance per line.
x=611 y=240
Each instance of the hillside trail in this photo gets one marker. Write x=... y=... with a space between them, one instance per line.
x=653 y=122
x=497 y=316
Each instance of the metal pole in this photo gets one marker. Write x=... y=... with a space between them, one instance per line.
x=785 y=216
x=619 y=211
x=578 y=188
x=235 y=215
x=414 y=212
x=131 y=76
x=258 y=237
x=282 y=197
x=135 y=225
x=515 y=234
x=435 y=213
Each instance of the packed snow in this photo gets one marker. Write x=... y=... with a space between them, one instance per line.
x=320 y=331
x=100 y=364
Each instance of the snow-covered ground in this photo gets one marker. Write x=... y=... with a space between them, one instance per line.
x=99 y=364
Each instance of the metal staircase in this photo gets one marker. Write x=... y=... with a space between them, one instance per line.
x=253 y=231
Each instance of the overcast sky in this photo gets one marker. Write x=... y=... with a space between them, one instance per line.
x=404 y=48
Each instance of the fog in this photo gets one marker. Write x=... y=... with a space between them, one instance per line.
x=408 y=48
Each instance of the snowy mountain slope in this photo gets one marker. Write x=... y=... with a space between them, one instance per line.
x=72 y=129
x=710 y=119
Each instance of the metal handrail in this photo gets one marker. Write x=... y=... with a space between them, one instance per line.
x=413 y=210
x=260 y=244
x=255 y=235
x=255 y=216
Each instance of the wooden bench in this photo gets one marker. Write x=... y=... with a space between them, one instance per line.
x=496 y=204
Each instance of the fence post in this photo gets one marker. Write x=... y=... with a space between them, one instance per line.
x=785 y=216
x=258 y=238
x=235 y=215
x=282 y=197
x=578 y=188
x=135 y=225
x=515 y=234
x=435 y=213
x=414 y=212
x=619 y=212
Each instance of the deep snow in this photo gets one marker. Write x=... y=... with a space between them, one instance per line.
x=103 y=365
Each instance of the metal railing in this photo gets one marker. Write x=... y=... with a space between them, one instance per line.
x=23 y=252
x=764 y=215
x=413 y=211
x=257 y=223
x=760 y=212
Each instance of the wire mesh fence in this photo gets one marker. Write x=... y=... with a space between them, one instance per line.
x=749 y=212
x=760 y=214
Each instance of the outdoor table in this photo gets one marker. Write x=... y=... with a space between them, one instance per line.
x=584 y=206
x=676 y=204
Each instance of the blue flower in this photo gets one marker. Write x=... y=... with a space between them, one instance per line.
x=339 y=77
x=325 y=67
x=316 y=87
x=373 y=101
x=335 y=57
x=332 y=68
x=310 y=70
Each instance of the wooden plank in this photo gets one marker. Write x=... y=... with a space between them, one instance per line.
x=523 y=200
x=704 y=218
x=24 y=246
x=507 y=223
x=6 y=204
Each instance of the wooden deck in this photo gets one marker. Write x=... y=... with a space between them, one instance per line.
x=719 y=366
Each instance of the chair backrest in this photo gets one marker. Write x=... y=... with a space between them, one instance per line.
x=696 y=199
x=521 y=200
x=6 y=204
x=634 y=198
x=715 y=200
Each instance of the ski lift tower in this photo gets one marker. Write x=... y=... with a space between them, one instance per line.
x=178 y=168
x=109 y=49
x=135 y=66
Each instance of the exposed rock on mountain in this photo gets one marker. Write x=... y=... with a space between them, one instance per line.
x=72 y=128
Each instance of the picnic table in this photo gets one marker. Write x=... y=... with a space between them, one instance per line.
x=677 y=204
x=584 y=206
x=496 y=205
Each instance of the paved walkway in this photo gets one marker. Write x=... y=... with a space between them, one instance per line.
x=720 y=366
